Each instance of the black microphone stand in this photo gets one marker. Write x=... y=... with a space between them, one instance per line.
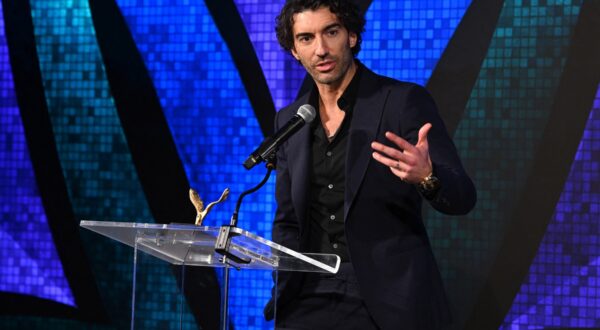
x=223 y=242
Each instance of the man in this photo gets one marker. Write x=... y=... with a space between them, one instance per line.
x=353 y=181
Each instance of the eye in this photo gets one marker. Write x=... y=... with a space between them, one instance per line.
x=332 y=32
x=304 y=39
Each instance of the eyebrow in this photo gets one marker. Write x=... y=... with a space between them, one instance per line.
x=328 y=27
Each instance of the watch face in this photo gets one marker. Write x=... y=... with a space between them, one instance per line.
x=430 y=183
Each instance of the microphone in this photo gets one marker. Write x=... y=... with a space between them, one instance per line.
x=305 y=114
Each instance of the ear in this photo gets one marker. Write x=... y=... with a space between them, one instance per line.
x=295 y=54
x=353 y=39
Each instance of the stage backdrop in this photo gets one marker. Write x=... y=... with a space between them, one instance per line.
x=112 y=109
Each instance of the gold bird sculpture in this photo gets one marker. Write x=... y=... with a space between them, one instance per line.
x=201 y=212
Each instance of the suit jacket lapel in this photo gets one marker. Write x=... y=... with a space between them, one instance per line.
x=364 y=126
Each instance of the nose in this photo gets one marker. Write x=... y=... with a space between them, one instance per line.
x=322 y=49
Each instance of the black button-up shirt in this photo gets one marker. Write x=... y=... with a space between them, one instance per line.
x=328 y=176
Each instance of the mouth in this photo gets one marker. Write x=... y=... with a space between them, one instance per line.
x=325 y=66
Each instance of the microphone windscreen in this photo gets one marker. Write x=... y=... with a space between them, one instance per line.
x=307 y=112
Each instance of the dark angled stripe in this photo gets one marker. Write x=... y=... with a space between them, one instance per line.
x=49 y=177
x=457 y=70
x=232 y=30
x=35 y=306
x=307 y=83
x=154 y=153
x=149 y=139
x=570 y=110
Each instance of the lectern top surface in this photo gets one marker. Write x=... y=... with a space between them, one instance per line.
x=187 y=244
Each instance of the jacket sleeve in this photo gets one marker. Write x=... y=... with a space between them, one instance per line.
x=457 y=194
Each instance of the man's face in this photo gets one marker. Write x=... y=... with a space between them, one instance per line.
x=322 y=45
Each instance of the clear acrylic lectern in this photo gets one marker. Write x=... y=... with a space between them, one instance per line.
x=190 y=245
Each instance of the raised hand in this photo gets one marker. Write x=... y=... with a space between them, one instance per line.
x=411 y=163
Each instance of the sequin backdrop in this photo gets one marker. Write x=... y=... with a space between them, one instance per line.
x=213 y=125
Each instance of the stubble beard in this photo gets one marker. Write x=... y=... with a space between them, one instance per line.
x=343 y=66
x=337 y=77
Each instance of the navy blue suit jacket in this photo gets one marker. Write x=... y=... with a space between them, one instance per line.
x=388 y=246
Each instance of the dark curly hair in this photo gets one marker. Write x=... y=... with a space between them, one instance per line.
x=346 y=11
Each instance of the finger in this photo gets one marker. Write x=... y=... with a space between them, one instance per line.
x=400 y=142
x=423 y=135
x=399 y=173
x=389 y=162
x=397 y=168
x=389 y=151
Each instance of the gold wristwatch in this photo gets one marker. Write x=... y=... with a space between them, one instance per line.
x=429 y=186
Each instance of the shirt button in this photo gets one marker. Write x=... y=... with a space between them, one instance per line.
x=328 y=153
x=335 y=246
x=332 y=217
x=330 y=186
